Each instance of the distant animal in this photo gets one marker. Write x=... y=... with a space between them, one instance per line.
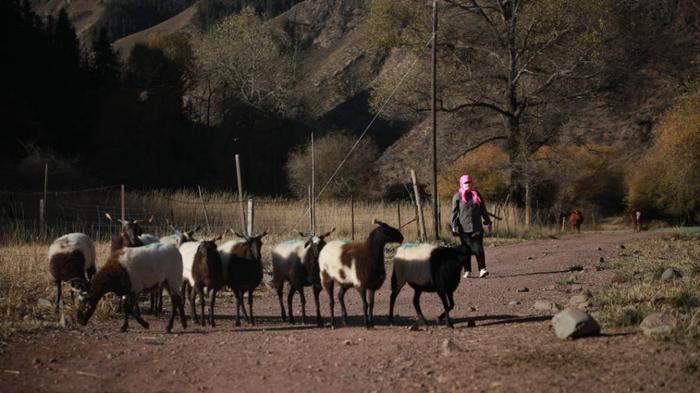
x=576 y=219
x=296 y=262
x=430 y=268
x=359 y=265
x=72 y=259
x=132 y=270
x=636 y=219
x=241 y=260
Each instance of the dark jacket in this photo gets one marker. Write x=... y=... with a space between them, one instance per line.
x=466 y=216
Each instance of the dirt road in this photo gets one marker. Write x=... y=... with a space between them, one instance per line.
x=510 y=347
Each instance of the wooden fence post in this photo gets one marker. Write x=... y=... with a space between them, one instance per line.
x=123 y=203
x=240 y=192
x=42 y=225
x=251 y=216
x=398 y=213
x=419 y=208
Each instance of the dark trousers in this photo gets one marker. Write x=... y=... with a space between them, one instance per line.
x=474 y=245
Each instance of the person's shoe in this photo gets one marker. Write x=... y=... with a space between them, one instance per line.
x=467 y=274
x=483 y=273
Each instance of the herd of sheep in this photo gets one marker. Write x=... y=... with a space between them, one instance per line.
x=184 y=266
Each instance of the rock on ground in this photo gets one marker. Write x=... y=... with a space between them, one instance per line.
x=572 y=324
x=449 y=347
x=670 y=274
x=657 y=324
x=543 y=305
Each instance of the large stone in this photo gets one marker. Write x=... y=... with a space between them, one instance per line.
x=670 y=274
x=657 y=324
x=44 y=303
x=543 y=305
x=572 y=324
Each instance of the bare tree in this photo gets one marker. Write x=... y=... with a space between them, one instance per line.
x=519 y=61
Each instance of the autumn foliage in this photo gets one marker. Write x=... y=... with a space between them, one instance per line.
x=667 y=178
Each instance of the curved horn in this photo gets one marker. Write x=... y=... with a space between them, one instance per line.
x=109 y=217
x=328 y=233
x=302 y=234
x=260 y=236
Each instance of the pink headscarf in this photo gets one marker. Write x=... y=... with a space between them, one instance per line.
x=463 y=190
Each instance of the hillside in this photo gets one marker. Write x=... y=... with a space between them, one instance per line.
x=338 y=68
x=84 y=14
x=181 y=22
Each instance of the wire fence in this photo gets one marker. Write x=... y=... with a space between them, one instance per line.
x=84 y=211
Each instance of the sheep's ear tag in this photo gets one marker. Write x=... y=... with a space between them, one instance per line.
x=82 y=295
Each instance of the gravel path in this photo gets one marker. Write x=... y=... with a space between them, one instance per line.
x=509 y=347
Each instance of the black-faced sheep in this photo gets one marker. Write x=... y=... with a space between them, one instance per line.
x=202 y=269
x=72 y=259
x=129 y=234
x=243 y=272
x=359 y=265
x=132 y=270
x=429 y=268
x=296 y=261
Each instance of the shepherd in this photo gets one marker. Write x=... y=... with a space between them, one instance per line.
x=468 y=209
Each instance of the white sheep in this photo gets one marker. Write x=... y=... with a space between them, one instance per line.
x=132 y=270
x=296 y=261
x=72 y=259
x=359 y=265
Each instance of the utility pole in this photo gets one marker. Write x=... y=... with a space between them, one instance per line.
x=313 y=188
x=436 y=223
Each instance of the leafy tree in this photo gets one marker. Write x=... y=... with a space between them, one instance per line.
x=352 y=179
x=488 y=166
x=667 y=179
x=240 y=59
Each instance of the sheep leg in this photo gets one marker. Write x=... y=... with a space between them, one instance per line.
x=127 y=310
x=250 y=306
x=303 y=305
x=416 y=305
x=211 y=307
x=317 y=291
x=202 y=302
x=395 y=289
x=446 y=305
x=371 y=308
x=136 y=312
x=191 y=295
x=363 y=295
x=245 y=313
x=331 y=302
x=451 y=301
x=279 y=297
x=290 y=298
x=239 y=301
x=58 y=296
x=341 y=299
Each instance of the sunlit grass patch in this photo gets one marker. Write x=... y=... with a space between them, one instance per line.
x=637 y=290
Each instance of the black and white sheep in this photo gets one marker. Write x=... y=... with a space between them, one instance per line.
x=429 y=268
x=129 y=234
x=132 y=270
x=202 y=270
x=72 y=259
x=296 y=261
x=241 y=260
x=359 y=265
